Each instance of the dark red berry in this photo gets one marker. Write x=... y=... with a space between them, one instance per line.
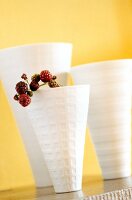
x=36 y=77
x=45 y=76
x=16 y=97
x=34 y=85
x=24 y=76
x=54 y=77
x=21 y=87
x=24 y=100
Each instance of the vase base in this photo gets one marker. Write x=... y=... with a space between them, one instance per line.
x=116 y=176
x=68 y=191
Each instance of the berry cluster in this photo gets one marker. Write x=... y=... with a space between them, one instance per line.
x=25 y=89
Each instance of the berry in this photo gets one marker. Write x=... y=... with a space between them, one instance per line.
x=30 y=93
x=24 y=76
x=24 y=100
x=53 y=84
x=21 y=87
x=16 y=97
x=34 y=85
x=45 y=76
x=54 y=77
x=35 y=77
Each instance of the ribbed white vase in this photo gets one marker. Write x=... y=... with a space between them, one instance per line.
x=59 y=117
x=30 y=59
x=109 y=113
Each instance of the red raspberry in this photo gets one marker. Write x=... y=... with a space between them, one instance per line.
x=34 y=85
x=45 y=76
x=21 y=87
x=24 y=100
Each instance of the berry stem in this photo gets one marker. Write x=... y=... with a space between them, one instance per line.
x=42 y=84
x=27 y=81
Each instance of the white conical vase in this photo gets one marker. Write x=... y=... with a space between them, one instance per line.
x=59 y=117
x=109 y=113
x=31 y=59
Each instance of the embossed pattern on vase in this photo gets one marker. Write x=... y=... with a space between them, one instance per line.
x=59 y=117
x=109 y=113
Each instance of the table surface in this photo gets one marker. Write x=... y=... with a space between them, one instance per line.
x=89 y=189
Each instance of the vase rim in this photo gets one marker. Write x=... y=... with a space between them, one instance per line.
x=101 y=62
x=36 y=44
x=69 y=87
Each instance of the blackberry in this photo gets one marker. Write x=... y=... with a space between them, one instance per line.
x=34 y=85
x=21 y=87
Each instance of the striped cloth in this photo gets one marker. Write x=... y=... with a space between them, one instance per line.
x=123 y=194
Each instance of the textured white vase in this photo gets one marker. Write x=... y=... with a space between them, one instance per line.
x=59 y=116
x=109 y=113
x=31 y=59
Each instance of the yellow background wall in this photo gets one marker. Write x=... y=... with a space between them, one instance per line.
x=98 y=29
x=15 y=170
